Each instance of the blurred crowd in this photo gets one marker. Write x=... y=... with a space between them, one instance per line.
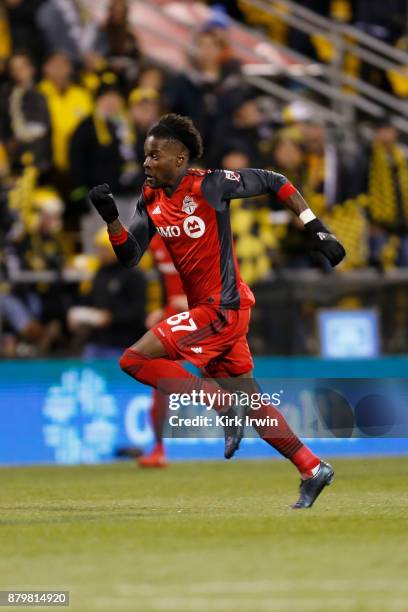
x=77 y=97
x=388 y=23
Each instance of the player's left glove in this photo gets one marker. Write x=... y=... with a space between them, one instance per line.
x=321 y=240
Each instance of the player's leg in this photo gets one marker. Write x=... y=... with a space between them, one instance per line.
x=315 y=474
x=148 y=361
x=156 y=458
x=153 y=361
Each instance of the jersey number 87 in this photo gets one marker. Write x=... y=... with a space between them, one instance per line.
x=174 y=321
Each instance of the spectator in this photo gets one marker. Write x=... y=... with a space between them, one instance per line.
x=144 y=110
x=388 y=198
x=217 y=26
x=123 y=51
x=152 y=76
x=205 y=90
x=24 y=33
x=114 y=313
x=67 y=27
x=246 y=127
x=40 y=248
x=333 y=175
x=68 y=104
x=289 y=158
x=301 y=41
x=102 y=150
x=22 y=327
x=386 y=24
x=230 y=6
x=24 y=119
x=235 y=156
x=97 y=146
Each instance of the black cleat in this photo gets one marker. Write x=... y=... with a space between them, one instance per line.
x=233 y=432
x=311 y=488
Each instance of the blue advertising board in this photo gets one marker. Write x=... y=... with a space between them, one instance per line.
x=73 y=411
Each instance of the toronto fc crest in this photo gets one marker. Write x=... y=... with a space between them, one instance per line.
x=189 y=205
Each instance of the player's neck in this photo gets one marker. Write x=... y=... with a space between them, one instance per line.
x=170 y=189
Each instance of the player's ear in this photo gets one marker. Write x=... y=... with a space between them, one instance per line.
x=180 y=159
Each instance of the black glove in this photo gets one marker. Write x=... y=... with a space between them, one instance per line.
x=320 y=239
x=102 y=198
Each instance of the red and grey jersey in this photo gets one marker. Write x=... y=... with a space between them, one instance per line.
x=194 y=222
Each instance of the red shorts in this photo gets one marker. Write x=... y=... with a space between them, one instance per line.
x=213 y=339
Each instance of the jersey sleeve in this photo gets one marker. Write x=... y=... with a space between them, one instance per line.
x=130 y=245
x=222 y=185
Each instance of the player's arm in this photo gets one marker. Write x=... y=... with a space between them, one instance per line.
x=129 y=245
x=222 y=185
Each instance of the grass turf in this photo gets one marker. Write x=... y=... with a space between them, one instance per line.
x=207 y=536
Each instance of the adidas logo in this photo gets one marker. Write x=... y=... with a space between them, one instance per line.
x=156 y=211
x=326 y=236
x=197 y=349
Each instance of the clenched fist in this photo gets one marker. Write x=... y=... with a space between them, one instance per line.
x=321 y=240
x=101 y=197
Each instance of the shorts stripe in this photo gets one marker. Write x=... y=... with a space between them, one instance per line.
x=198 y=332
x=193 y=335
x=187 y=344
x=214 y=327
x=204 y=333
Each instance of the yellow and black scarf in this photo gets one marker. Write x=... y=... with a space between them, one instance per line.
x=383 y=189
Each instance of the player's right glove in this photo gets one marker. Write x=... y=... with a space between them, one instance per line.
x=101 y=197
x=321 y=240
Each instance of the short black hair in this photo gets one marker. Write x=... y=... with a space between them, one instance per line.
x=181 y=128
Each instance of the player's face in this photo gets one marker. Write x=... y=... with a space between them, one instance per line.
x=164 y=162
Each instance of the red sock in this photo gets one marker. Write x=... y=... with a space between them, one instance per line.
x=284 y=440
x=306 y=462
x=158 y=413
x=170 y=377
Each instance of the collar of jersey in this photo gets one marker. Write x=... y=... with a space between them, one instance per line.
x=176 y=185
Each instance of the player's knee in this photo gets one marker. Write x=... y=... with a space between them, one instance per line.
x=131 y=361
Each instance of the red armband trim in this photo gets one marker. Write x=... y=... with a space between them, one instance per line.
x=117 y=239
x=286 y=191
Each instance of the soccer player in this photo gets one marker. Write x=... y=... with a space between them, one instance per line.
x=190 y=210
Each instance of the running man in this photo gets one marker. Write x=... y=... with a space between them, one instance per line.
x=190 y=210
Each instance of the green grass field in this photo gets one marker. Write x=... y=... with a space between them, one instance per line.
x=202 y=537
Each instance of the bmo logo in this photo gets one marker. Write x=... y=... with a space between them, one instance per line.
x=194 y=226
x=170 y=231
